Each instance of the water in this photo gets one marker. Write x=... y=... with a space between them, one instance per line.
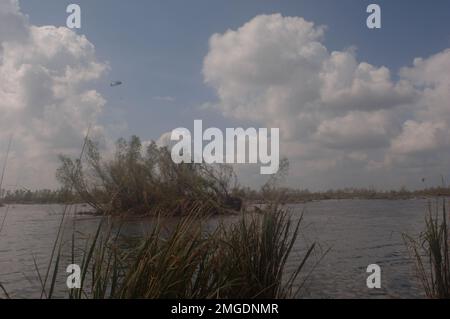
x=356 y=232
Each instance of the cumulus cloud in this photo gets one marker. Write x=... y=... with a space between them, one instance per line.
x=419 y=138
x=332 y=109
x=427 y=132
x=276 y=70
x=45 y=100
x=356 y=130
x=13 y=24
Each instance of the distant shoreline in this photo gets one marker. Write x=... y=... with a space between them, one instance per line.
x=250 y=202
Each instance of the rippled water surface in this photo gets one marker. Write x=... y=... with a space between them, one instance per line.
x=356 y=233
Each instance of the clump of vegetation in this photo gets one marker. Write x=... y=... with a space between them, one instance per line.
x=244 y=260
x=256 y=253
x=432 y=253
x=141 y=180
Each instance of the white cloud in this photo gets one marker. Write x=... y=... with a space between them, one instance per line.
x=418 y=138
x=332 y=110
x=44 y=97
x=276 y=70
x=427 y=132
x=349 y=85
x=13 y=24
x=357 y=129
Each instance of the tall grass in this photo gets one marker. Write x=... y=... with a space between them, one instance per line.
x=3 y=220
x=243 y=260
x=3 y=172
x=258 y=250
x=432 y=254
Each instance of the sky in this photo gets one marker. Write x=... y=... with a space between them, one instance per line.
x=355 y=107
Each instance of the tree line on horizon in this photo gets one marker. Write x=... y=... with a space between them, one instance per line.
x=62 y=195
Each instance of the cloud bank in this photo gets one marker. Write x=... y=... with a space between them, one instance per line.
x=343 y=122
x=45 y=100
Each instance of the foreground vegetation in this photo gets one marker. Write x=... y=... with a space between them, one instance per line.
x=432 y=253
x=244 y=260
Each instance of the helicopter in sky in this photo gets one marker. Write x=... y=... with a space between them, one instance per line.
x=115 y=83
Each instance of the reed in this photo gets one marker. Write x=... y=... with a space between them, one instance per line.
x=3 y=220
x=257 y=251
x=432 y=254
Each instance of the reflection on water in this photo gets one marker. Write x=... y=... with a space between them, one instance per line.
x=357 y=232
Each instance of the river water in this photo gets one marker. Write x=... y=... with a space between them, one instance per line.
x=354 y=233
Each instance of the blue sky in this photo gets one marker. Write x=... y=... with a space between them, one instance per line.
x=353 y=105
x=157 y=47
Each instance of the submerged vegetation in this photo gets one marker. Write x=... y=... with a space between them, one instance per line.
x=432 y=253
